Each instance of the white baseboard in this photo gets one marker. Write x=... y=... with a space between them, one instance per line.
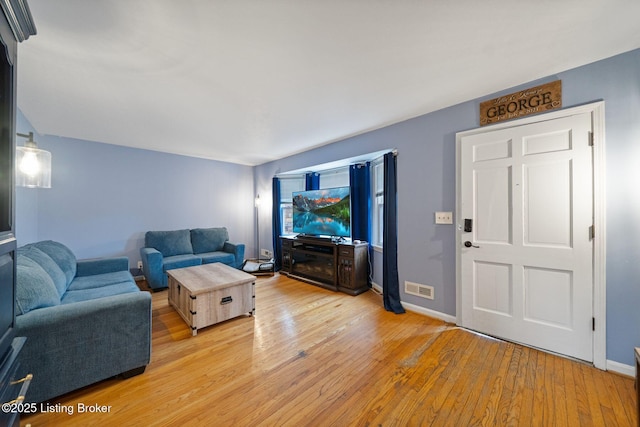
x=621 y=368
x=428 y=312
x=420 y=310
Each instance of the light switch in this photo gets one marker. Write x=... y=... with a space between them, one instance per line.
x=444 y=217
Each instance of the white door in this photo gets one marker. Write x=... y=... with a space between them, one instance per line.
x=526 y=269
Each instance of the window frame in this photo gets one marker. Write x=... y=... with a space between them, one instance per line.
x=335 y=178
x=377 y=203
x=286 y=204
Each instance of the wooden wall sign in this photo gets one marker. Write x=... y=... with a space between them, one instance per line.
x=537 y=99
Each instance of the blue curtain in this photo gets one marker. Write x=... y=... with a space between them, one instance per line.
x=312 y=181
x=390 y=284
x=277 y=225
x=360 y=185
x=360 y=201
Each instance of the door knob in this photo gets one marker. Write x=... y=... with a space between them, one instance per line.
x=468 y=244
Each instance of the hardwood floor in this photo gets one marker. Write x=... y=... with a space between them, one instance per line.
x=316 y=357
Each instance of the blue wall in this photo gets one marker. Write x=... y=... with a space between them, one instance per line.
x=426 y=183
x=104 y=197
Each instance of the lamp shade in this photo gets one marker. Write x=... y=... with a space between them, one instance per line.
x=33 y=167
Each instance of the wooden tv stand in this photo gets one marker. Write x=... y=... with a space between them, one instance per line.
x=337 y=266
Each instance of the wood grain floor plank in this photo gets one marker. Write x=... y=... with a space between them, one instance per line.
x=554 y=385
x=567 y=391
x=616 y=386
x=509 y=395
x=512 y=412
x=542 y=403
x=411 y=381
x=596 y=417
x=525 y=416
x=444 y=405
x=491 y=381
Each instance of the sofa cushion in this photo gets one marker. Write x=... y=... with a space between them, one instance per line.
x=169 y=243
x=34 y=287
x=181 y=261
x=101 y=292
x=98 y=280
x=48 y=265
x=208 y=239
x=218 y=256
x=62 y=255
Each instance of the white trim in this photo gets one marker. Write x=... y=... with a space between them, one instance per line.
x=428 y=312
x=600 y=240
x=420 y=310
x=376 y=287
x=621 y=368
x=19 y=18
x=596 y=110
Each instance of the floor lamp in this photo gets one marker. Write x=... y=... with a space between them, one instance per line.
x=257 y=205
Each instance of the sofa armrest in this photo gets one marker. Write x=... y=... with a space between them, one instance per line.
x=90 y=267
x=152 y=261
x=237 y=249
x=73 y=345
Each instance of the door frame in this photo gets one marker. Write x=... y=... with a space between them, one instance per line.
x=596 y=110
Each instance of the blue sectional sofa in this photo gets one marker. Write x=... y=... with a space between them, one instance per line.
x=85 y=321
x=166 y=250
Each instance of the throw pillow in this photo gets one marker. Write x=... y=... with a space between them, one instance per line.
x=48 y=265
x=34 y=287
x=169 y=243
x=208 y=239
x=62 y=255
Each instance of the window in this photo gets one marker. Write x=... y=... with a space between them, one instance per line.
x=377 y=205
x=334 y=178
x=288 y=186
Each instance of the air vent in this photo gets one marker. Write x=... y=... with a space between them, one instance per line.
x=424 y=291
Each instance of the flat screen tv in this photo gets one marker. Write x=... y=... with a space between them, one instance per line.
x=324 y=212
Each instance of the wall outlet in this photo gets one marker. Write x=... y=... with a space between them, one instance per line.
x=266 y=253
x=139 y=265
x=444 y=217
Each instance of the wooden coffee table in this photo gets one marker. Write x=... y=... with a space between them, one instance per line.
x=211 y=293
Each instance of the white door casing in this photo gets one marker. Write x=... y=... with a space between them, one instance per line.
x=534 y=274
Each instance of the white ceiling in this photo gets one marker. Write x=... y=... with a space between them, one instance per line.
x=252 y=81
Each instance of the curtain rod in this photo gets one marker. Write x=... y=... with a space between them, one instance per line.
x=295 y=175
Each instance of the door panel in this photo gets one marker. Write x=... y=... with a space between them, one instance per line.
x=528 y=276
x=493 y=205
x=547 y=143
x=539 y=285
x=493 y=288
x=547 y=214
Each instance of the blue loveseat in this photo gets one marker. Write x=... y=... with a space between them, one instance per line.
x=166 y=250
x=85 y=321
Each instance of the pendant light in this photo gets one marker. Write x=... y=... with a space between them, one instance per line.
x=33 y=165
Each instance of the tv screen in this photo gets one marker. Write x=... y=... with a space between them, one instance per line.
x=324 y=212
